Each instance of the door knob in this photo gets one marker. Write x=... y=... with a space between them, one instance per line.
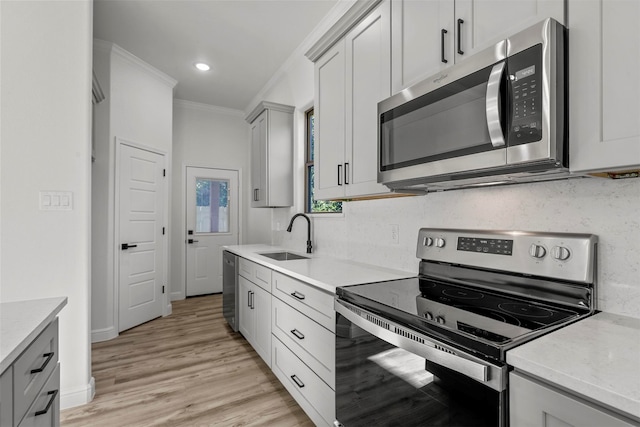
x=191 y=241
x=125 y=246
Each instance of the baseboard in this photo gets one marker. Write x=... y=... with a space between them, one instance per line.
x=78 y=397
x=168 y=310
x=104 y=334
x=175 y=296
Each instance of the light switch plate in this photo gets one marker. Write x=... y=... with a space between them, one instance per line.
x=56 y=201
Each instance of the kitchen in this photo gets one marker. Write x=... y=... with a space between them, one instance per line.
x=605 y=208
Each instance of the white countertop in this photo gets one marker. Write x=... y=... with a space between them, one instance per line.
x=21 y=322
x=598 y=357
x=323 y=272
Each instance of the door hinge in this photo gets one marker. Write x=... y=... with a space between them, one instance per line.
x=164 y=172
x=163 y=289
x=163 y=231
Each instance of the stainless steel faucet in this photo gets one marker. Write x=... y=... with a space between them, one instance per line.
x=309 y=247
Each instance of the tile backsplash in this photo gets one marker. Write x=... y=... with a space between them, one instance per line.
x=607 y=208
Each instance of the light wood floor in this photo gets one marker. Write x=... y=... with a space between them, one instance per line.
x=186 y=369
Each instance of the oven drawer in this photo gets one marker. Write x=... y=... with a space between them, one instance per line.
x=306 y=298
x=312 y=394
x=33 y=367
x=255 y=273
x=45 y=410
x=311 y=342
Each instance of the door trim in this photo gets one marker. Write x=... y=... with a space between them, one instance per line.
x=166 y=306
x=182 y=292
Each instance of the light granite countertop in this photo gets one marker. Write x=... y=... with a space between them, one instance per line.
x=323 y=272
x=598 y=358
x=21 y=322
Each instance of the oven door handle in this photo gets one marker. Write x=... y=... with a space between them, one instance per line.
x=420 y=346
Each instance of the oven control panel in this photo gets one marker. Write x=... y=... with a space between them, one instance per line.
x=567 y=256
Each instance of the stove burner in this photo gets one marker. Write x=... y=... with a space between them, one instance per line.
x=526 y=310
x=462 y=294
x=492 y=314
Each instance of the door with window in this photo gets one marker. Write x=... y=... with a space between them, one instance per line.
x=211 y=223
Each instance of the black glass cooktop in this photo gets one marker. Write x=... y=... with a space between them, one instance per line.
x=485 y=316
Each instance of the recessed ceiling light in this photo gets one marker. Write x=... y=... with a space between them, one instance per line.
x=202 y=66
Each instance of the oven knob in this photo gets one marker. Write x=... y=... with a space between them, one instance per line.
x=537 y=251
x=440 y=320
x=428 y=315
x=440 y=242
x=428 y=241
x=560 y=253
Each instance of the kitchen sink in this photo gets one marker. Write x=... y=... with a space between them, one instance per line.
x=284 y=256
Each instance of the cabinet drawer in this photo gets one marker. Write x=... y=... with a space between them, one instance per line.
x=33 y=367
x=312 y=394
x=255 y=273
x=306 y=298
x=6 y=397
x=45 y=410
x=312 y=343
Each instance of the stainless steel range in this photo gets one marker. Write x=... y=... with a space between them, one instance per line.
x=430 y=350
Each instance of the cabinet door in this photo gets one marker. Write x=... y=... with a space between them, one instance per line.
x=262 y=335
x=417 y=40
x=532 y=404
x=485 y=22
x=368 y=53
x=259 y=161
x=330 y=124
x=604 y=89
x=247 y=315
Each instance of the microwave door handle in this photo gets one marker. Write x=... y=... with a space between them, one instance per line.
x=493 y=105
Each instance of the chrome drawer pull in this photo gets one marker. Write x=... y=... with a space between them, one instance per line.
x=49 y=356
x=297 y=334
x=298 y=295
x=53 y=395
x=297 y=381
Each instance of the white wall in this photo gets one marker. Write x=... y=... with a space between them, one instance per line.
x=46 y=134
x=204 y=136
x=138 y=109
x=606 y=208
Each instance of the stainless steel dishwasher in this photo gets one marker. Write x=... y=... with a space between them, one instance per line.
x=229 y=289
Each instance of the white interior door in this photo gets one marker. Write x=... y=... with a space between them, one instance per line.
x=141 y=241
x=212 y=222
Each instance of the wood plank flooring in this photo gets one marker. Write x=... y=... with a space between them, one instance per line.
x=186 y=369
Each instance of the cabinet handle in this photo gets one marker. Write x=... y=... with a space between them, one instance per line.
x=249 y=299
x=339 y=174
x=297 y=334
x=298 y=295
x=48 y=356
x=297 y=381
x=253 y=300
x=442 y=33
x=53 y=395
x=346 y=173
x=460 y=22
x=256 y=194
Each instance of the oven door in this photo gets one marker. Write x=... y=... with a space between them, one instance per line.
x=389 y=375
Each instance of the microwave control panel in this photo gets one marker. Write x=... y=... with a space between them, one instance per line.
x=525 y=78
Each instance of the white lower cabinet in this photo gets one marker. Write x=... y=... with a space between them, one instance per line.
x=255 y=317
x=315 y=397
x=535 y=404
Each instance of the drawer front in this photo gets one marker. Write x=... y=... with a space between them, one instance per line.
x=306 y=298
x=312 y=343
x=33 y=367
x=256 y=273
x=312 y=394
x=45 y=410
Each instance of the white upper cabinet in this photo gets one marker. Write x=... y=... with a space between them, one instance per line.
x=604 y=89
x=350 y=79
x=431 y=35
x=271 y=155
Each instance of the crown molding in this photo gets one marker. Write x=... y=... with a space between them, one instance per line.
x=131 y=58
x=348 y=20
x=181 y=103
x=266 y=105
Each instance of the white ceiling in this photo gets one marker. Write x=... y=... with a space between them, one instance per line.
x=244 y=41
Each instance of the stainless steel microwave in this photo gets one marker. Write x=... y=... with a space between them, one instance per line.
x=497 y=117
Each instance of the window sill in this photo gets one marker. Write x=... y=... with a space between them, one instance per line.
x=325 y=214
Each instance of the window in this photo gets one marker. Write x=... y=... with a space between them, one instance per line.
x=311 y=205
x=212 y=206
